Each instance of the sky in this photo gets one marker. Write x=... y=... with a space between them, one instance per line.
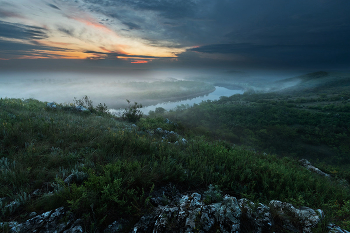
x=109 y=35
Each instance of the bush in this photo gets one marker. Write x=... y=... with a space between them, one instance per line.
x=84 y=102
x=132 y=113
x=102 y=108
x=87 y=103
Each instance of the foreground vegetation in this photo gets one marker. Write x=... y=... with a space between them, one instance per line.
x=117 y=165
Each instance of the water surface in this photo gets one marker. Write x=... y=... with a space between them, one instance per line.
x=215 y=95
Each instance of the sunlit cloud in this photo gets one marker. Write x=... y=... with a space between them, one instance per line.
x=69 y=28
x=139 y=61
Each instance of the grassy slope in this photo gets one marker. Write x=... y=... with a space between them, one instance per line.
x=40 y=147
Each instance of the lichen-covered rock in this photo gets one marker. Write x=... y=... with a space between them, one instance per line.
x=336 y=229
x=293 y=219
x=191 y=214
x=52 y=221
x=76 y=177
x=255 y=217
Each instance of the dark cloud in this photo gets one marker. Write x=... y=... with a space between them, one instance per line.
x=131 y=25
x=20 y=31
x=53 y=6
x=8 y=14
x=173 y=9
x=286 y=56
x=13 y=50
x=228 y=48
x=67 y=31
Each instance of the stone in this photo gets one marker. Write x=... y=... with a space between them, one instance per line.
x=257 y=217
x=191 y=214
x=50 y=221
x=81 y=108
x=115 y=227
x=76 y=177
x=305 y=163
x=295 y=219
x=336 y=229
x=51 y=105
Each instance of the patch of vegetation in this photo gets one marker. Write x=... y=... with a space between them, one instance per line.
x=86 y=102
x=40 y=147
x=314 y=126
x=132 y=113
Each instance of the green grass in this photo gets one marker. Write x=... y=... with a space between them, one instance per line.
x=40 y=147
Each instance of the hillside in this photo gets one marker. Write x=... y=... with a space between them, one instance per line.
x=320 y=81
x=101 y=168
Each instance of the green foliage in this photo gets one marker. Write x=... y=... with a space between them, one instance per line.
x=150 y=123
x=212 y=195
x=132 y=113
x=277 y=123
x=102 y=108
x=84 y=102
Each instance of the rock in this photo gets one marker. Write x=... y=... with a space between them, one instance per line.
x=37 y=192
x=51 y=221
x=293 y=219
x=309 y=167
x=76 y=177
x=81 y=108
x=336 y=229
x=115 y=227
x=9 y=225
x=32 y=214
x=257 y=217
x=191 y=214
x=51 y=105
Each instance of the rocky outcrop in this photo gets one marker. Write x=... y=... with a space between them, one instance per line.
x=191 y=214
x=301 y=219
x=57 y=220
x=305 y=163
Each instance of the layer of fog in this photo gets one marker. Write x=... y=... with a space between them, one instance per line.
x=183 y=104
x=62 y=87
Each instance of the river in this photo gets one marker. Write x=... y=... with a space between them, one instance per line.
x=215 y=95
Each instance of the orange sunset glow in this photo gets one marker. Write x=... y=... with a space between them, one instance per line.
x=139 y=61
x=80 y=32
